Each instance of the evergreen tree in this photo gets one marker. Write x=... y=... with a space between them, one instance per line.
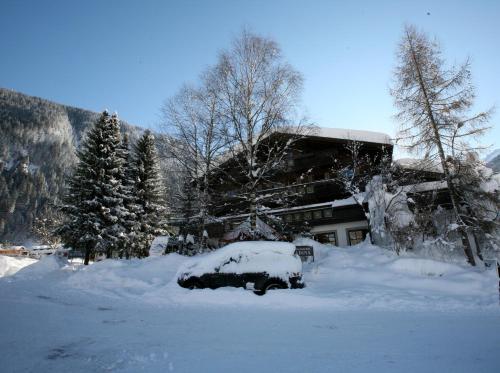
x=94 y=200
x=149 y=192
x=130 y=201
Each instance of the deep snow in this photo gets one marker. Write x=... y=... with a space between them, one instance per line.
x=363 y=309
x=10 y=265
x=275 y=258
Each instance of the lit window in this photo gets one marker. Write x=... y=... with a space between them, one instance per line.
x=327 y=238
x=356 y=236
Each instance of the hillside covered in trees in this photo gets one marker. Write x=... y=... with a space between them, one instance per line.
x=37 y=150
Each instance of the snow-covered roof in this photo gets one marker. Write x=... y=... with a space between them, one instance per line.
x=419 y=164
x=350 y=134
x=425 y=186
x=350 y=201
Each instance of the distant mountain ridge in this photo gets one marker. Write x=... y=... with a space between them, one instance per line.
x=494 y=164
x=38 y=139
x=494 y=154
x=492 y=160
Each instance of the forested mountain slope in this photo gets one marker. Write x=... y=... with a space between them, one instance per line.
x=37 y=149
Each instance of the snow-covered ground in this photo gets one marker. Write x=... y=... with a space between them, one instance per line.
x=10 y=265
x=363 y=309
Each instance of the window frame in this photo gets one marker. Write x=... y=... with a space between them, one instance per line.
x=364 y=231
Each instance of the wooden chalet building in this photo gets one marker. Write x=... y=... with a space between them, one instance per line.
x=315 y=200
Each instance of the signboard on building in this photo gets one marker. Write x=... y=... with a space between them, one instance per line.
x=306 y=253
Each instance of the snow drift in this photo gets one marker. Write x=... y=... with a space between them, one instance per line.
x=358 y=277
x=10 y=265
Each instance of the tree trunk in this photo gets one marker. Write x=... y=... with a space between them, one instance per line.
x=87 y=256
x=253 y=214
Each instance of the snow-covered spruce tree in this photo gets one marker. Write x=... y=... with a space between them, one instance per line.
x=259 y=97
x=433 y=103
x=93 y=203
x=130 y=201
x=150 y=194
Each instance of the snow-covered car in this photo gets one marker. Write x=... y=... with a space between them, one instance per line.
x=258 y=265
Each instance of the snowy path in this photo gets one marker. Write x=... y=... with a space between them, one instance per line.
x=43 y=335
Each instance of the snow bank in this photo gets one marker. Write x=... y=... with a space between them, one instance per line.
x=126 y=277
x=11 y=265
x=158 y=245
x=46 y=265
x=366 y=276
x=275 y=258
x=363 y=277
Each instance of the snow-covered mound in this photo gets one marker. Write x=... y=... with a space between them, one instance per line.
x=45 y=266
x=126 y=277
x=356 y=277
x=11 y=265
x=275 y=258
x=158 y=245
x=367 y=276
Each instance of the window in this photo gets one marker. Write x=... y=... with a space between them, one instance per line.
x=310 y=178
x=327 y=175
x=307 y=215
x=327 y=213
x=317 y=214
x=310 y=189
x=297 y=217
x=289 y=218
x=356 y=235
x=328 y=238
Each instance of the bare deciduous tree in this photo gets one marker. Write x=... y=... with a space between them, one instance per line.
x=45 y=226
x=198 y=139
x=433 y=103
x=259 y=97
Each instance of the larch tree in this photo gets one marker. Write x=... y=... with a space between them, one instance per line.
x=259 y=97
x=434 y=102
x=93 y=203
x=149 y=192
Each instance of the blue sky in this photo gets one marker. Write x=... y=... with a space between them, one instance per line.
x=129 y=56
